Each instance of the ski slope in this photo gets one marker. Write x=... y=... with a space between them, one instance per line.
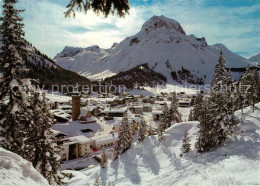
x=152 y=163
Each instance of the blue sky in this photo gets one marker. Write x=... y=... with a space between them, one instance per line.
x=235 y=23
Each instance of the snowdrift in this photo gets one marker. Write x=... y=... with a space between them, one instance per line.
x=14 y=170
x=152 y=163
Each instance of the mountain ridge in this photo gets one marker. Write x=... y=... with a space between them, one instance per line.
x=163 y=45
x=44 y=70
x=255 y=58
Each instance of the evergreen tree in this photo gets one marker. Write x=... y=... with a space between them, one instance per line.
x=205 y=141
x=150 y=130
x=97 y=181
x=160 y=131
x=99 y=6
x=217 y=115
x=15 y=109
x=197 y=106
x=258 y=89
x=125 y=138
x=103 y=162
x=110 y=184
x=190 y=115
x=25 y=118
x=173 y=111
x=166 y=117
x=219 y=74
x=186 y=147
x=249 y=87
x=142 y=130
x=46 y=154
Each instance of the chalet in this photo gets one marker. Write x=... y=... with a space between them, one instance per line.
x=115 y=112
x=85 y=117
x=93 y=109
x=147 y=108
x=132 y=122
x=182 y=95
x=59 y=136
x=61 y=115
x=156 y=114
x=145 y=99
x=161 y=103
x=184 y=103
x=137 y=109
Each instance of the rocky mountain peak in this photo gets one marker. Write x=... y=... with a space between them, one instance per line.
x=158 y=22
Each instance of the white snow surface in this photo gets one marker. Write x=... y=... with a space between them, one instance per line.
x=236 y=162
x=14 y=170
x=160 y=40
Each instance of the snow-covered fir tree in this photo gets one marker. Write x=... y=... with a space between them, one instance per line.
x=125 y=138
x=220 y=73
x=249 y=87
x=103 y=162
x=166 y=117
x=186 y=146
x=160 y=131
x=110 y=184
x=221 y=104
x=142 y=133
x=46 y=154
x=190 y=118
x=174 y=113
x=150 y=130
x=15 y=108
x=217 y=115
x=258 y=89
x=197 y=106
x=97 y=181
x=205 y=135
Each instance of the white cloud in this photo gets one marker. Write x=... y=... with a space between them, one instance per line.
x=49 y=31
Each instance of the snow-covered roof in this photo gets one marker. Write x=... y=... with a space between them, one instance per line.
x=105 y=138
x=56 y=132
x=137 y=106
x=148 y=106
x=83 y=113
x=92 y=107
x=65 y=107
x=74 y=128
x=115 y=110
x=81 y=139
x=118 y=121
x=157 y=112
x=184 y=101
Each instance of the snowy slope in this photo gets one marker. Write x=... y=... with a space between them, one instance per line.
x=14 y=170
x=255 y=58
x=150 y=163
x=160 y=41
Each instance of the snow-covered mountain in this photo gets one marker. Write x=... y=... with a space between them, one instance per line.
x=46 y=71
x=255 y=58
x=162 y=43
